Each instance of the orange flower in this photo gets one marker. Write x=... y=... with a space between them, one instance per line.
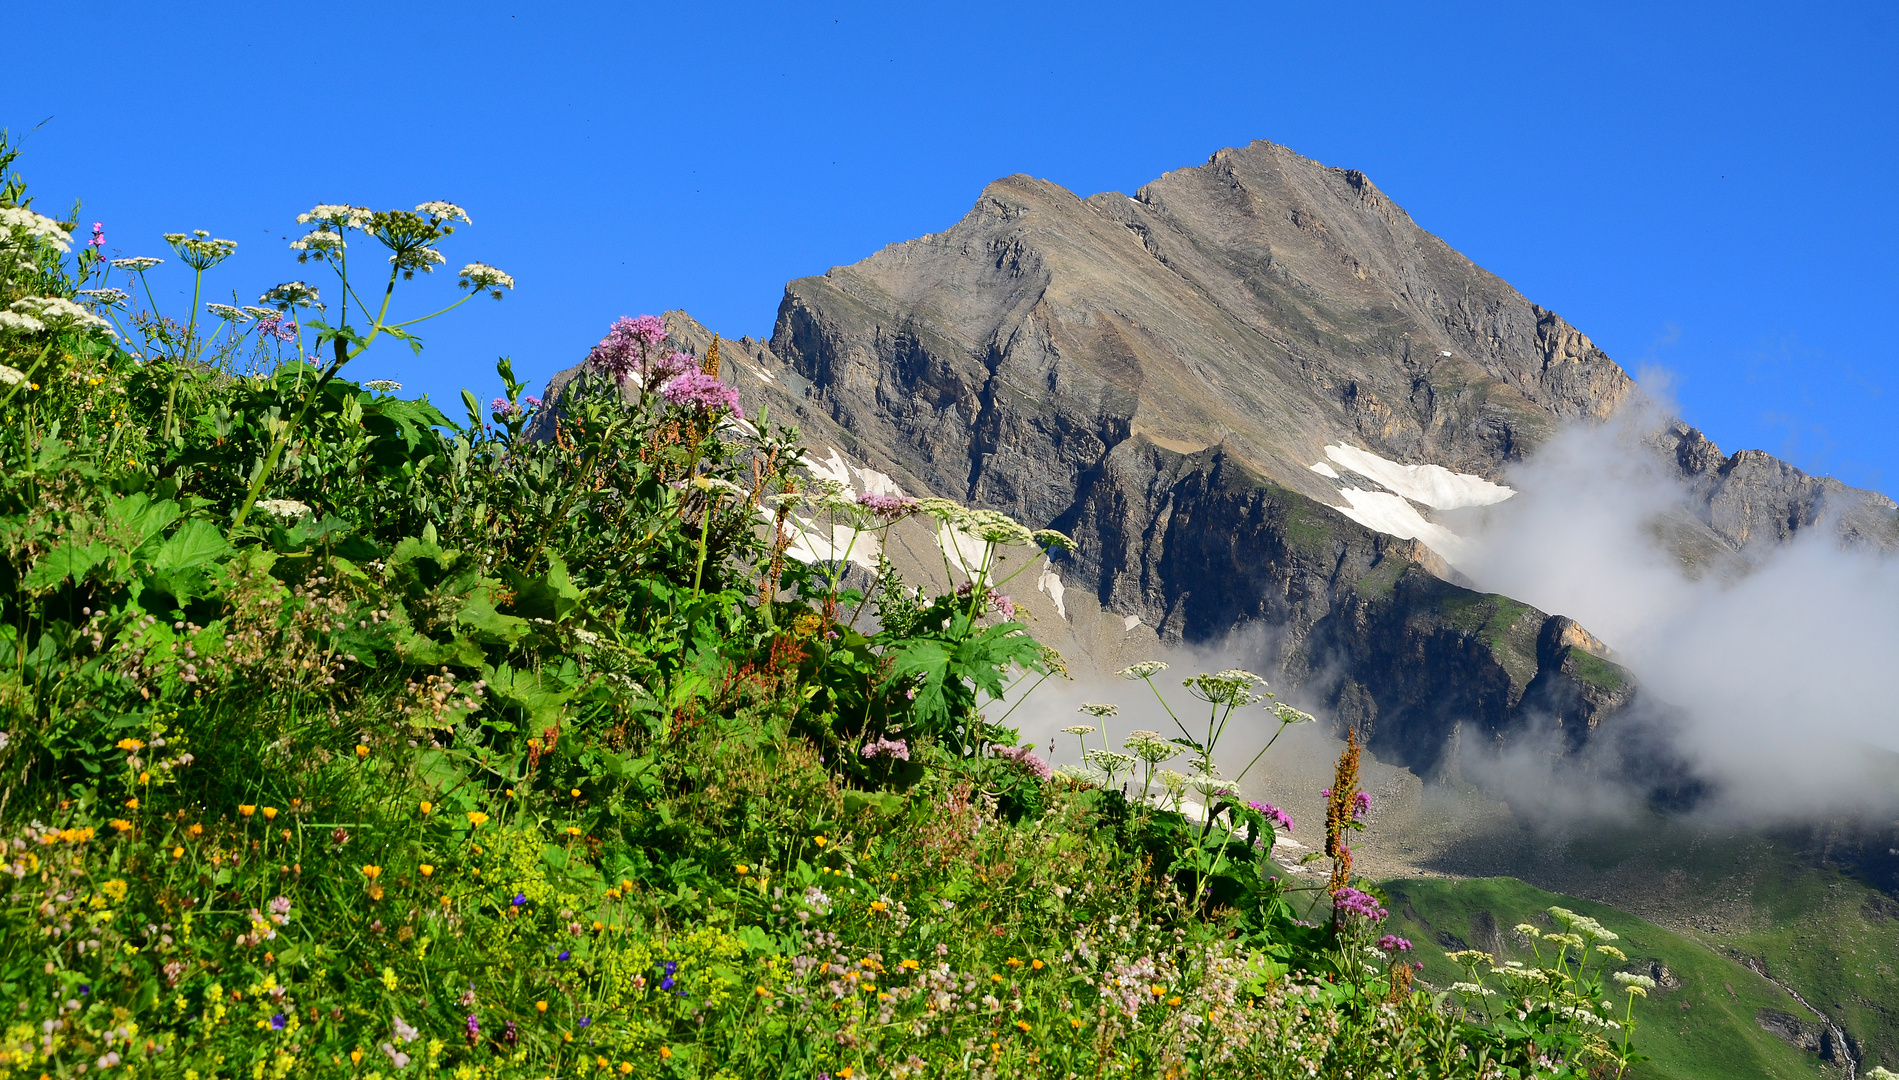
x=372 y=872
x=575 y=793
x=196 y=830
x=270 y=813
x=247 y=809
x=375 y=892
x=120 y=824
x=1013 y=962
x=178 y=853
x=1036 y=964
x=1156 y=991
x=427 y=806
x=131 y=804
x=540 y=1006
x=362 y=751
x=426 y=869
x=819 y=840
x=355 y=1057
x=477 y=818
x=879 y=905
x=742 y=869
x=1022 y=1024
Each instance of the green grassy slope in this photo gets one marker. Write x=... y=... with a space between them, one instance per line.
x=1703 y=1028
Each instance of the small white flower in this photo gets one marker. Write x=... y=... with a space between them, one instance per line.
x=289 y=509
x=482 y=276
x=1079 y=729
x=36 y=313
x=198 y=250
x=137 y=264
x=291 y=294
x=18 y=220
x=11 y=376
x=105 y=297
x=1146 y=669
x=20 y=324
x=386 y=386
x=1104 y=711
x=226 y=311
x=1472 y=988
x=319 y=241
x=258 y=312
x=338 y=214
x=444 y=211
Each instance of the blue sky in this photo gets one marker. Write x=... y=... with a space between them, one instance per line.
x=1705 y=189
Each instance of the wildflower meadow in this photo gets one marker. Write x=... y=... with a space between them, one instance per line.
x=341 y=736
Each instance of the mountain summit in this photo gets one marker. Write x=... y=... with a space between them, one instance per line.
x=1249 y=390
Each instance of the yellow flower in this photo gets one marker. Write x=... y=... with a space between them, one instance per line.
x=627 y=1066
x=247 y=809
x=196 y=830
x=131 y=804
x=362 y=751
x=120 y=824
x=426 y=869
x=129 y=745
x=845 y=1072
x=355 y=1057
x=626 y=885
x=1074 y=1023
x=1156 y=991
x=1013 y=962
x=762 y=992
x=879 y=905
x=270 y=813
x=144 y=777
x=995 y=978
x=575 y=793
x=540 y=1006
x=1174 y=1001
x=115 y=889
x=178 y=852
x=598 y=926
x=573 y=830
x=1022 y=1024
x=427 y=806
x=820 y=841
x=477 y=818
x=911 y=964
x=372 y=872
x=375 y=892
x=742 y=869
x=509 y=793
x=1036 y=964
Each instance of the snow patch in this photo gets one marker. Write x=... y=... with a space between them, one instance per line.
x=1323 y=469
x=762 y=373
x=963 y=550
x=1432 y=485
x=1393 y=515
x=1051 y=583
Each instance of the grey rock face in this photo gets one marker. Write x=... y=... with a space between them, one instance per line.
x=1153 y=374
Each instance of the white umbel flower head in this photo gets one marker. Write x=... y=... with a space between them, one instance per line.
x=443 y=211
x=482 y=276
x=291 y=294
x=31 y=314
x=289 y=509
x=1146 y=669
x=383 y=385
x=19 y=226
x=318 y=244
x=11 y=376
x=258 y=312
x=338 y=214
x=226 y=311
x=105 y=297
x=198 y=250
x=137 y=264
x=1093 y=708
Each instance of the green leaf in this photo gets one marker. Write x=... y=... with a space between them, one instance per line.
x=65 y=561
x=197 y=544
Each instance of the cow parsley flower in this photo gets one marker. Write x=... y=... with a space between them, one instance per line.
x=1096 y=709
x=1469 y=988
x=106 y=297
x=226 y=311
x=318 y=244
x=482 y=276
x=198 y=250
x=32 y=314
x=136 y=264
x=1150 y=747
x=1146 y=669
x=339 y=215
x=386 y=386
x=11 y=376
x=18 y=221
x=289 y=509
x=1079 y=730
x=291 y=294
x=1049 y=539
x=443 y=211
x=1233 y=687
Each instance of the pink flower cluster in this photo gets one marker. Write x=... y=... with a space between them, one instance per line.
x=1349 y=901
x=1273 y=814
x=697 y=390
x=1024 y=757
x=894 y=749
x=1361 y=804
x=98 y=235
x=278 y=327
x=888 y=507
x=1392 y=943
x=626 y=352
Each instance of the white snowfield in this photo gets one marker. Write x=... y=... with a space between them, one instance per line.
x=1432 y=485
x=1391 y=511
x=813 y=541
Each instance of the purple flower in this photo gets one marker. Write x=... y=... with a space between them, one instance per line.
x=1349 y=901
x=533 y=402
x=277 y=1022
x=1003 y=605
x=585 y=1020
x=1392 y=943
x=626 y=348
x=564 y=954
x=504 y=409
x=1361 y=803
x=521 y=898
x=510 y=1034
x=98 y=235
x=649 y=329
x=696 y=389
x=279 y=906
x=888 y=507
x=1024 y=757
x=894 y=749
x=1273 y=814
x=277 y=327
